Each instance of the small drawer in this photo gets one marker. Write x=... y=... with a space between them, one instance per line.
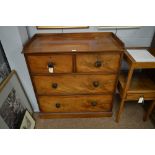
x=136 y=96
x=74 y=84
x=58 y=63
x=92 y=103
x=106 y=62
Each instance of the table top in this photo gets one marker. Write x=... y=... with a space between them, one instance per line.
x=141 y=55
x=74 y=42
x=139 y=58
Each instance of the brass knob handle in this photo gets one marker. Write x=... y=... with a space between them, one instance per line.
x=98 y=64
x=57 y=105
x=96 y=83
x=93 y=103
x=54 y=85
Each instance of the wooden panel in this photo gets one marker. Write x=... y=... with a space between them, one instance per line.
x=73 y=115
x=73 y=42
x=107 y=62
x=144 y=65
x=74 y=84
x=134 y=96
x=39 y=64
x=75 y=103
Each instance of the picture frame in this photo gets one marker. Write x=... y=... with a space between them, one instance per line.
x=5 y=69
x=13 y=102
x=28 y=122
x=62 y=27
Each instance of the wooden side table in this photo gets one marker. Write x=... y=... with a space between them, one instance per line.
x=133 y=86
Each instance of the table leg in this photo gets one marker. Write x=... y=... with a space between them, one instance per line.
x=124 y=93
x=149 y=111
x=118 y=114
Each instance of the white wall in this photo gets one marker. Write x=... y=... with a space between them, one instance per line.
x=141 y=37
x=33 y=30
x=131 y=37
x=23 y=34
x=13 y=44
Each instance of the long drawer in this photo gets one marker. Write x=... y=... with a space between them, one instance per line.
x=92 y=103
x=74 y=84
x=41 y=63
x=105 y=62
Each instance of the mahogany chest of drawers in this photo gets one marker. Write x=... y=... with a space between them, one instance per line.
x=74 y=74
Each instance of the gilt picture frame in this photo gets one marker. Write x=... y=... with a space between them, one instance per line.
x=13 y=102
x=62 y=27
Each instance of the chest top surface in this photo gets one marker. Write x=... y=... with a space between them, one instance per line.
x=73 y=42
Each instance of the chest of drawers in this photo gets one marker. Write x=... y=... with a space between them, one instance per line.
x=74 y=74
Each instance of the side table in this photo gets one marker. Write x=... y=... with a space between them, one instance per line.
x=136 y=86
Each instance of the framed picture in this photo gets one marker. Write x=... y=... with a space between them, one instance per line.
x=4 y=65
x=13 y=102
x=62 y=27
x=28 y=122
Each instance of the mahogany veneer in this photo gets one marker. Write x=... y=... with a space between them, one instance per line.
x=85 y=73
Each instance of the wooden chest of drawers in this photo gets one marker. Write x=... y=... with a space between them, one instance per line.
x=74 y=74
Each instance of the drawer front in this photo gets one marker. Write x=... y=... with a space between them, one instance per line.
x=74 y=84
x=108 y=63
x=59 y=63
x=134 y=96
x=86 y=103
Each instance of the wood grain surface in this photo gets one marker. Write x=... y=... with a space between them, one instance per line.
x=73 y=42
x=39 y=64
x=74 y=84
x=85 y=72
x=91 y=103
x=108 y=62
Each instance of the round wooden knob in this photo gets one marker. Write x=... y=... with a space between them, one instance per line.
x=50 y=65
x=96 y=83
x=54 y=85
x=98 y=64
x=93 y=103
x=57 y=105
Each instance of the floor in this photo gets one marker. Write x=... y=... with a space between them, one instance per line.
x=131 y=118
